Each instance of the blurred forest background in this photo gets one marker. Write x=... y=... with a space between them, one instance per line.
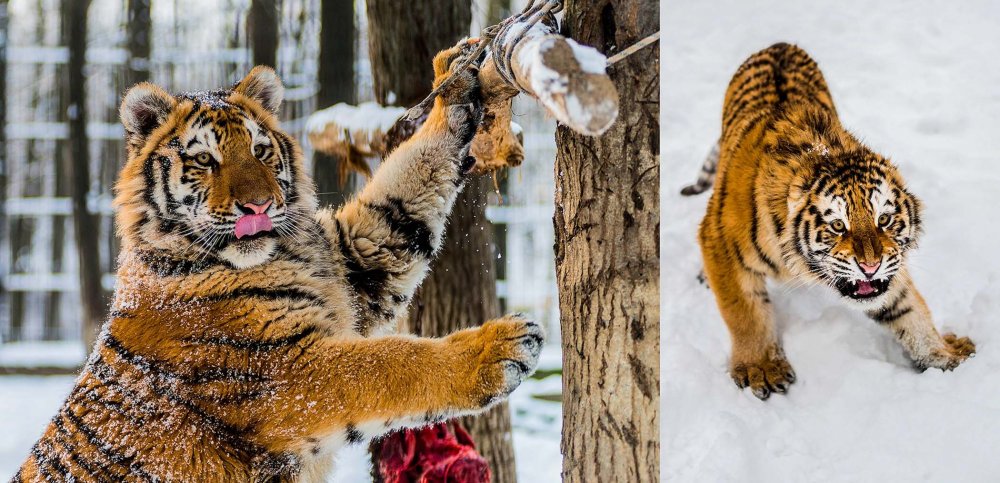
x=48 y=167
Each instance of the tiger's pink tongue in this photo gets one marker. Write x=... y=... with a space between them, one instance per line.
x=249 y=225
x=864 y=287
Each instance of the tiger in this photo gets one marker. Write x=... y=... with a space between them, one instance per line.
x=250 y=334
x=799 y=199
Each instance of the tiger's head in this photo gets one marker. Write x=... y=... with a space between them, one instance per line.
x=854 y=222
x=211 y=173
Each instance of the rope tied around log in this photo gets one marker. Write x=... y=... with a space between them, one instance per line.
x=503 y=52
x=487 y=38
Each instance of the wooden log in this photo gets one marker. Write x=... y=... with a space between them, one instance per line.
x=567 y=78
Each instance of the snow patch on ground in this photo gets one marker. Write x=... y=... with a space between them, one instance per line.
x=918 y=82
x=42 y=354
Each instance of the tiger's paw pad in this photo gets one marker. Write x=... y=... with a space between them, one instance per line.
x=510 y=355
x=764 y=377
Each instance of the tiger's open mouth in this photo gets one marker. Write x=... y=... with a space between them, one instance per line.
x=862 y=289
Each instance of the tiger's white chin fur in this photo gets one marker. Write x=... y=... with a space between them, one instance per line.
x=243 y=254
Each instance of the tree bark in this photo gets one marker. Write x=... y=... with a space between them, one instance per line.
x=336 y=84
x=607 y=262
x=85 y=224
x=4 y=167
x=263 y=30
x=138 y=32
x=460 y=291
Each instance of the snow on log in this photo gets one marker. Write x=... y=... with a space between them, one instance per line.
x=352 y=133
x=569 y=79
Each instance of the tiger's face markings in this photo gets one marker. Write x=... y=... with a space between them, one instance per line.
x=216 y=169
x=855 y=231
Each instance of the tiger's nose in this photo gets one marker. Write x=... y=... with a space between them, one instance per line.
x=254 y=207
x=869 y=268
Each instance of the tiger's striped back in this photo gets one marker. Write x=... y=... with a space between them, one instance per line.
x=770 y=80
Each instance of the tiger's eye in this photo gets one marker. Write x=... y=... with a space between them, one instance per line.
x=838 y=225
x=884 y=219
x=259 y=151
x=204 y=159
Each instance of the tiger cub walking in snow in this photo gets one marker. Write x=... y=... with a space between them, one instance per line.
x=238 y=347
x=797 y=197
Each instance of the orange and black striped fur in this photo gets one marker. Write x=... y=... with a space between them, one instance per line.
x=798 y=198
x=254 y=358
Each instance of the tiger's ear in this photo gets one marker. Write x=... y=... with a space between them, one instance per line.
x=144 y=108
x=263 y=86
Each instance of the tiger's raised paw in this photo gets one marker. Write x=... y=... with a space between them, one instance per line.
x=507 y=354
x=764 y=377
x=955 y=351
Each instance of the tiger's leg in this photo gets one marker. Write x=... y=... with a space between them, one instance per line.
x=346 y=391
x=390 y=232
x=906 y=314
x=757 y=359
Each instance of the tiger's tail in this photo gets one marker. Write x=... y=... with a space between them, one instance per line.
x=707 y=175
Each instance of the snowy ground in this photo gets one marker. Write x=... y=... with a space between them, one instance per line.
x=27 y=404
x=919 y=82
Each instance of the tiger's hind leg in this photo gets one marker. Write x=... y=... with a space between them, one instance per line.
x=757 y=360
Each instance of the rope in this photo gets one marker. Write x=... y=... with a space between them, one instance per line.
x=487 y=38
x=532 y=14
x=620 y=56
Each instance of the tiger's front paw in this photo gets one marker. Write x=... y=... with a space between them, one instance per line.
x=954 y=352
x=507 y=353
x=763 y=377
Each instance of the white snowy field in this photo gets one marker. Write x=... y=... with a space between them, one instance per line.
x=920 y=82
x=27 y=404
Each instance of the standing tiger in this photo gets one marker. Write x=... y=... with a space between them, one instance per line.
x=798 y=198
x=238 y=346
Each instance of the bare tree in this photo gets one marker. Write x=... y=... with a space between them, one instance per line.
x=336 y=84
x=4 y=228
x=85 y=223
x=460 y=291
x=138 y=32
x=607 y=259
x=262 y=26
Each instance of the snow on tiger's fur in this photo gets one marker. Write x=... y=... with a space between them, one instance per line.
x=243 y=342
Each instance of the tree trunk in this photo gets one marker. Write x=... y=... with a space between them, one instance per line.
x=336 y=84
x=263 y=30
x=460 y=291
x=138 y=32
x=607 y=262
x=85 y=224
x=4 y=166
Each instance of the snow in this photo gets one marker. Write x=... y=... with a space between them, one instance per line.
x=918 y=82
x=42 y=354
x=551 y=87
x=365 y=117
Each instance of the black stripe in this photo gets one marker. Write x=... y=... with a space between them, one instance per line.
x=276 y=293
x=126 y=461
x=891 y=312
x=415 y=232
x=255 y=345
x=353 y=436
x=370 y=281
x=235 y=436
